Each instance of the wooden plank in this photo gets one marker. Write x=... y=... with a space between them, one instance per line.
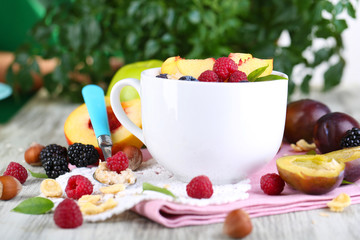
x=42 y=120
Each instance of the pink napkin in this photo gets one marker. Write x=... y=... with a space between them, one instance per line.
x=258 y=204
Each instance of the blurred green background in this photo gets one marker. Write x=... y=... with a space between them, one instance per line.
x=91 y=39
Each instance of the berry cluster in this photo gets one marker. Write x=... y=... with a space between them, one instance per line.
x=224 y=70
x=351 y=138
x=55 y=158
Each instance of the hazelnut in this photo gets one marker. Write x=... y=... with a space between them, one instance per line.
x=134 y=155
x=237 y=224
x=9 y=187
x=32 y=154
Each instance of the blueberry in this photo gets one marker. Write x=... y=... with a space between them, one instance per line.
x=162 y=75
x=188 y=78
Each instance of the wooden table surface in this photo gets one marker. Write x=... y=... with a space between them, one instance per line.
x=41 y=120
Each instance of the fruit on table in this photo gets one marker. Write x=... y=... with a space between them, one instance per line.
x=78 y=128
x=311 y=174
x=237 y=224
x=330 y=129
x=132 y=70
x=301 y=117
x=32 y=154
x=9 y=187
x=351 y=158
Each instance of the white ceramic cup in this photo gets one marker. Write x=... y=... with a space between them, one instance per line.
x=222 y=130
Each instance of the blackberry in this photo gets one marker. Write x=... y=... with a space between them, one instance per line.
x=188 y=78
x=54 y=160
x=162 y=75
x=82 y=155
x=351 y=138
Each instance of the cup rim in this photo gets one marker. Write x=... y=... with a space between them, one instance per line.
x=278 y=73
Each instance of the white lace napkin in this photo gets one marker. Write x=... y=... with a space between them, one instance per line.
x=153 y=173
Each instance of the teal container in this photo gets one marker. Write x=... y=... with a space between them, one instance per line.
x=16 y=19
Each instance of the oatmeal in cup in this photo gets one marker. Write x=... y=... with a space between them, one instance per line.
x=223 y=130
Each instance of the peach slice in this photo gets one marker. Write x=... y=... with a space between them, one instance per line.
x=170 y=67
x=311 y=174
x=240 y=56
x=194 y=67
x=252 y=64
x=78 y=126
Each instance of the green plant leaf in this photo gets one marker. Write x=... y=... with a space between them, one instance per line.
x=340 y=25
x=333 y=75
x=270 y=78
x=150 y=187
x=350 y=10
x=256 y=73
x=305 y=84
x=38 y=175
x=35 y=205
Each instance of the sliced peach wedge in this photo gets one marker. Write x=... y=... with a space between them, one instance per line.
x=239 y=58
x=252 y=64
x=194 y=67
x=170 y=67
x=311 y=174
x=78 y=127
x=177 y=66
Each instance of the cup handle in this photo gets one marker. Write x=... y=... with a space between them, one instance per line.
x=119 y=111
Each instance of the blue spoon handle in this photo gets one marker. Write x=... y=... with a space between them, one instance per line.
x=95 y=103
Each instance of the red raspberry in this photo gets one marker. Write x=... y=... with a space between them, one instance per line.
x=238 y=76
x=17 y=171
x=77 y=186
x=67 y=214
x=272 y=184
x=224 y=67
x=208 y=76
x=200 y=187
x=119 y=162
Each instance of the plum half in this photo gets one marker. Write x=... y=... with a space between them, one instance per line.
x=351 y=158
x=311 y=174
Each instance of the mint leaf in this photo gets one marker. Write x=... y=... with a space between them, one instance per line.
x=256 y=73
x=37 y=175
x=269 y=78
x=311 y=152
x=346 y=182
x=150 y=187
x=35 y=205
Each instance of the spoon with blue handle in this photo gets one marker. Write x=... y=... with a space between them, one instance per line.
x=95 y=103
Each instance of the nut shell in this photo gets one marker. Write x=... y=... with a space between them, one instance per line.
x=237 y=224
x=9 y=187
x=32 y=154
x=134 y=155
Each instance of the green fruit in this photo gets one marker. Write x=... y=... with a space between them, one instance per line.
x=132 y=70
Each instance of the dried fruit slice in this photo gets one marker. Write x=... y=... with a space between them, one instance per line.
x=113 y=189
x=50 y=188
x=311 y=174
x=339 y=203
